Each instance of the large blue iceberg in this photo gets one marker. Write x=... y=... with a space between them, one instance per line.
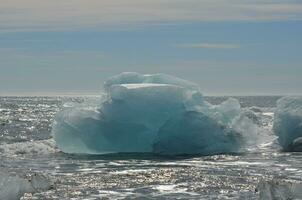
x=153 y=113
x=288 y=123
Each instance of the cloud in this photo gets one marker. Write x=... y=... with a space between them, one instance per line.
x=209 y=45
x=16 y=15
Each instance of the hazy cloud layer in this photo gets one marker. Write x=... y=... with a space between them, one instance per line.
x=209 y=45
x=76 y=14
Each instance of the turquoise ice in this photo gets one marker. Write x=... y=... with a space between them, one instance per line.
x=153 y=113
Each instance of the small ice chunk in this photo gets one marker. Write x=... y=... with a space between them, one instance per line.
x=256 y=109
x=4 y=120
x=40 y=182
x=279 y=189
x=252 y=116
x=13 y=186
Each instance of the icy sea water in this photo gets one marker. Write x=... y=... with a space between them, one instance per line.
x=26 y=147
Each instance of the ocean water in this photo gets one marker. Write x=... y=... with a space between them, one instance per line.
x=26 y=147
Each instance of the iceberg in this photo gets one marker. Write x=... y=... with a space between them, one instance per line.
x=153 y=113
x=288 y=123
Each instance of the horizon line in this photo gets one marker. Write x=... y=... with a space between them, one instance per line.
x=96 y=94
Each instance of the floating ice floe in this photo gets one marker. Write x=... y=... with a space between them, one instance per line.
x=4 y=120
x=154 y=113
x=288 y=123
x=279 y=189
x=13 y=186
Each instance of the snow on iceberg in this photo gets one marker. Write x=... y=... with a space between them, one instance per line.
x=136 y=78
x=288 y=123
x=153 y=113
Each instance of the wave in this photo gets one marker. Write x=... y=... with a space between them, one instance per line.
x=39 y=147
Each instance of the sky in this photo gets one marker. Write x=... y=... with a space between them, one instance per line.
x=228 y=47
